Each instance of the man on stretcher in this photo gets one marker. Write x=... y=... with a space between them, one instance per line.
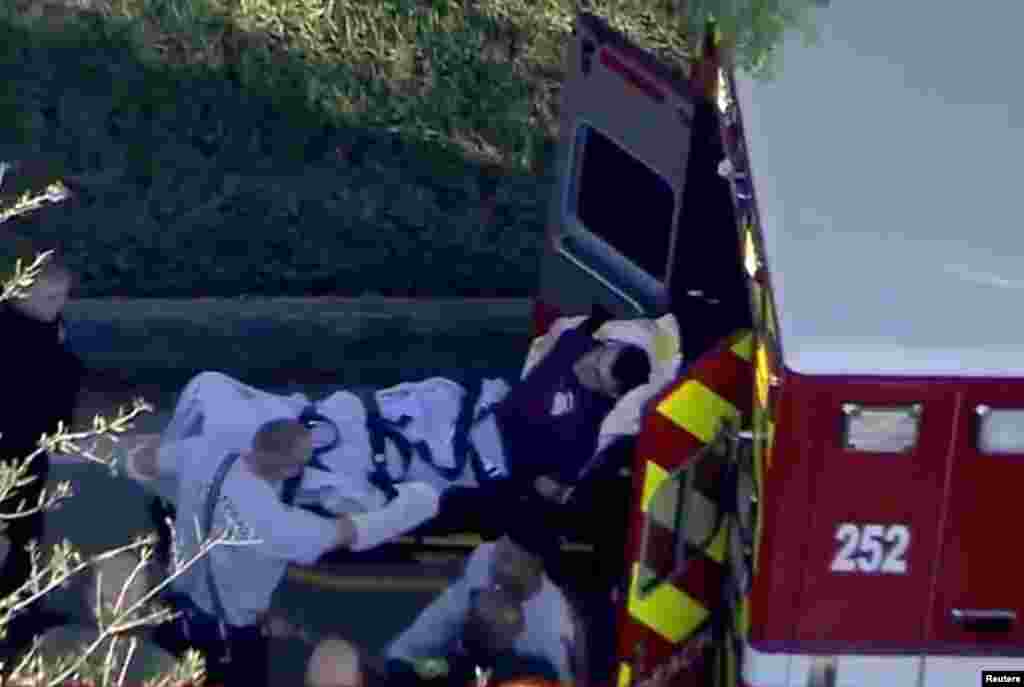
x=540 y=434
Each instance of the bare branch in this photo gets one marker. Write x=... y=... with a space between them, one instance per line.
x=21 y=281
x=54 y=193
x=133 y=644
x=124 y=624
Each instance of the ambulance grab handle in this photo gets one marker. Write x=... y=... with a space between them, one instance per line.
x=984 y=619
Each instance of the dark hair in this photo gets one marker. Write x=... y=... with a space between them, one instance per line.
x=631 y=368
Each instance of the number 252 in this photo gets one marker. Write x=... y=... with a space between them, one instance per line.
x=871 y=548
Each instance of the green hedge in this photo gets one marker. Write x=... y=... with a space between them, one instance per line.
x=216 y=194
x=313 y=160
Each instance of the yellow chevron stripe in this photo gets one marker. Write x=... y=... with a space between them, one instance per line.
x=769 y=315
x=756 y=291
x=654 y=475
x=763 y=427
x=743 y=618
x=762 y=376
x=667 y=610
x=625 y=675
x=744 y=348
x=716 y=549
x=697 y=409
x=731 y=667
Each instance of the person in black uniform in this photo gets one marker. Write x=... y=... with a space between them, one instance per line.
x=41 y=379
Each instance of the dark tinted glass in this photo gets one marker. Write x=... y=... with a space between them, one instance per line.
x=625 y=203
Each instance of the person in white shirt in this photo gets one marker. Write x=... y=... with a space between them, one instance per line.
x=244 y=577
x=514 y=565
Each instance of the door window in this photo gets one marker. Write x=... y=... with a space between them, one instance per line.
x=623 y=202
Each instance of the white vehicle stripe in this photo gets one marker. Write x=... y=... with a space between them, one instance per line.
x=950 y=671
x=762 y=669
x=794 y=670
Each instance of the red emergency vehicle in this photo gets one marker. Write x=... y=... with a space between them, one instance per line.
x=827 y=495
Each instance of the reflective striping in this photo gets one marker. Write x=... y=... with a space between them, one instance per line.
x=743 y=617
x=762 y=376
x=654 y=475
x=716 y=549
x=667 y=610
x=719 y=386
x=731 y=660
x=625 y=675
x=658 y=550
x=744 y=348
x=697 y=409
x=702 y=580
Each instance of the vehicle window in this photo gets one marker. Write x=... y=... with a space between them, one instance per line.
x=623 y=202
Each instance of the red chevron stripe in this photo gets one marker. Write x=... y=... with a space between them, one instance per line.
x=656 y=652
x=656 y=648
x=665 y=443
x=702 y=579
x=659 y=554
x=729 y=376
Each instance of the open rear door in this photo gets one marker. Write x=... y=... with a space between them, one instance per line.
x=625 y=141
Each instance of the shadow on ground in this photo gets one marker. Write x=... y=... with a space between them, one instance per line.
x=195 y=180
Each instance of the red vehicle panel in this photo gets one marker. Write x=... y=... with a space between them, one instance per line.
x=786 y=494
x=874 y=528
x=980 y=564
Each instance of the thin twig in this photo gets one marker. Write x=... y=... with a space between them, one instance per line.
x=133 y=644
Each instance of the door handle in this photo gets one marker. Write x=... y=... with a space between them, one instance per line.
x=984 y=619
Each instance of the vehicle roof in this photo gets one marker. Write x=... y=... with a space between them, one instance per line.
x=885 y=161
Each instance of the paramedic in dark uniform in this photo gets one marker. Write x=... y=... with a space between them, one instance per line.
x=545 y=430
x=240 y=579
x=593 y=500
x=42 y=379
x=550 y=420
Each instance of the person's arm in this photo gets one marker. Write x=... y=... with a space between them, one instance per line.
x=435 y=628
x=415 y=503
x=439 y=625
x=298 y=536
x=606 y=465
